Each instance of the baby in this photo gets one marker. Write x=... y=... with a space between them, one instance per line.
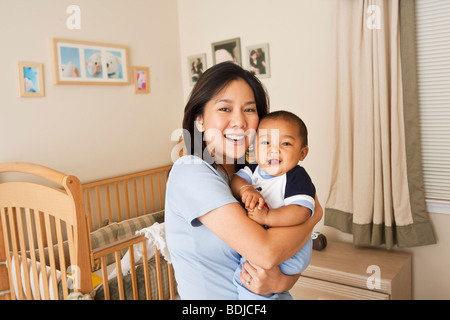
x=276 y=191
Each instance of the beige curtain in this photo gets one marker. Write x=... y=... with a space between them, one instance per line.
x=370 y=194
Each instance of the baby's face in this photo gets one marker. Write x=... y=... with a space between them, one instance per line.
x=279 y=146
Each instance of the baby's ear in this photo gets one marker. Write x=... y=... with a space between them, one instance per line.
x=303 y=153
x=199 y=123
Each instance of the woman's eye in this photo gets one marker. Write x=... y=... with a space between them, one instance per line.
x=250 y=110
x=224 y=109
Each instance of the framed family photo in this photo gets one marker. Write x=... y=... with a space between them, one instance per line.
x=31 y=79
x=227 y=50
x=82 y=62
x=258 y=61
x=196 y=67
x=141 y=79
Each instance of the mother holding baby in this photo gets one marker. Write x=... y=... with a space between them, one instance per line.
x=207 y=230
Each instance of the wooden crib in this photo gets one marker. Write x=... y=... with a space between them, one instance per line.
x=90 y=227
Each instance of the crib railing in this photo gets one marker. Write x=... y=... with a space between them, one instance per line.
x=115 y=248
x=124 y=197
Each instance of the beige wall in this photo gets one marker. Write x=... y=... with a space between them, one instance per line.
x=91 y=131
x=299 y=35
x=98 y=131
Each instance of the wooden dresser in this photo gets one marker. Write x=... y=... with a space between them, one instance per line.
x=343 y=271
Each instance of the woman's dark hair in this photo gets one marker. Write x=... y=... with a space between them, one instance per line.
x=209 y=85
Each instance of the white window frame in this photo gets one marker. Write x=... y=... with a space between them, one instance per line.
x=433 y=74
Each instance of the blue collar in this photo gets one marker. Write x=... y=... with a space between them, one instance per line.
x=263 y=174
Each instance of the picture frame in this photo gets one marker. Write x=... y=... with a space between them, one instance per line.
x=141 y=79
x=31 y=79
x=227 y=50
x=196 y=67
x=258 y=60
x=84 y=62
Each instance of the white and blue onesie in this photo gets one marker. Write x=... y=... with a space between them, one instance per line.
x=293 y=187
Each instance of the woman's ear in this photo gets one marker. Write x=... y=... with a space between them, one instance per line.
x=303 y=153
x=199 y=123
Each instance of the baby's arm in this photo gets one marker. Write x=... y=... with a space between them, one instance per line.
x=249 y=196
x=289 y=215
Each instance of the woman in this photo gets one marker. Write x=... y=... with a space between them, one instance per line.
x=207 y=230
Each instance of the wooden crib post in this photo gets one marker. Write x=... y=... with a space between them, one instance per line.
x=4 y=279
x=84 y=280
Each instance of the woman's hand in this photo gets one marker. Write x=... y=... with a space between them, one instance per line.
x=266 y=281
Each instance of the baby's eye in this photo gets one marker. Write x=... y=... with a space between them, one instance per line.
x=285 y=144
x=265 y=142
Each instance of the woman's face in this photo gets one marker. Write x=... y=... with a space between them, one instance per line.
x=229 y=122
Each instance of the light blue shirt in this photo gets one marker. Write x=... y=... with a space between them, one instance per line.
x=204 y=265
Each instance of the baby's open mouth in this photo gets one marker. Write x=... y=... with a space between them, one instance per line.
x=273 y=161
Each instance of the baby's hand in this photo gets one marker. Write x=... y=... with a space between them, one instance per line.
x=250 y=198
x=258 y=215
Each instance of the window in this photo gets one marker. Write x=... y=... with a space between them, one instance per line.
x=433 y=73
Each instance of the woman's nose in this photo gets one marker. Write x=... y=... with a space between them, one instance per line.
x=238 y=120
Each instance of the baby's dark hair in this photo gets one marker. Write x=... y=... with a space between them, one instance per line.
x=293 y=118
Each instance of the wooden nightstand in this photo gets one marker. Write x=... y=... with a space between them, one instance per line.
x=340 y=271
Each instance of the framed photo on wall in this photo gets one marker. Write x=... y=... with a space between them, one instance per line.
x=141 y=79
x=196 y=67
x=227 y=50
x=31 y=79
x=258 y=60
x=82 y=62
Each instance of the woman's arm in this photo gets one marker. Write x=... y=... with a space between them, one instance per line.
x=264 y=247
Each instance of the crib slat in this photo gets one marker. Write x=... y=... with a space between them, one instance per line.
x=119 y=212
x=72 y=253
x=51 y=255
x=160 y=191
x=158 y=273
x=152 y=193
x=40 y=237
x=110 y=219
x=171 y=281
x=133 y=273
x=42 y=231
x=148 y=293
x=32 y=247
x=105 y=277
x=23 y=249
x=119 y=275
x=88 y=209
x=144 y=198
x=13 y=228
x=62 y=260
x=134 y=196
x=127 y=200
x=99 y=206
x=5 y=238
